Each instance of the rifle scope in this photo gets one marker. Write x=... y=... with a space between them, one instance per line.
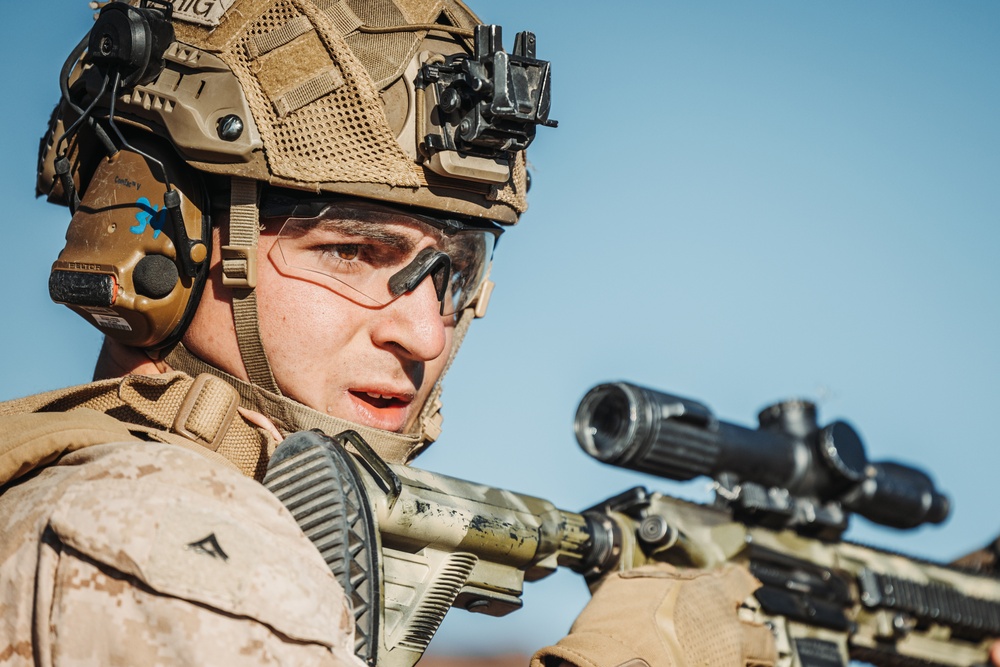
x=677 y=438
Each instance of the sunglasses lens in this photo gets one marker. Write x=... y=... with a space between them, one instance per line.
x=357 y=252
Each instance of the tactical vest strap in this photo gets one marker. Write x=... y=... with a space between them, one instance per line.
x=202 y=410
x=207 y=412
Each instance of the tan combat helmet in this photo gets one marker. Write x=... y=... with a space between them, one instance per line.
x=171 y=112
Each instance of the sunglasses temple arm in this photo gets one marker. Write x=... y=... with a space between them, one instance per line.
x=428 y=262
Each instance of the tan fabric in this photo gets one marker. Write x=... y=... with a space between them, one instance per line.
x=386 y=55
x=32 y=441
x=135 y=553
x=312 y=73
x=244 y=232
x=301 y=146
x=661 y=616
x=290 y=416
x=172 y=407
x=269 y=41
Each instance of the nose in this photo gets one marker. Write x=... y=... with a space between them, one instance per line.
x=412 y=324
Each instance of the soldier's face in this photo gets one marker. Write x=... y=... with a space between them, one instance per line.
x=369 y=365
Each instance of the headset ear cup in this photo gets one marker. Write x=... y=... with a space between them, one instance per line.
x=124 y=240
x=155 y=276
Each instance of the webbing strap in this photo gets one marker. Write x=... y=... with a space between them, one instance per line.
x=200 y=410
x=258 y=45
x=251 y=397
x=310 y=90
x=51 y=401
x=239 y=258
x=248 y=337
x=207 y=412
x=393 y=447
x=342 y=16
x=244 y=231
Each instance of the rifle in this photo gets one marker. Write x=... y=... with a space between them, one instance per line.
x=408 y=544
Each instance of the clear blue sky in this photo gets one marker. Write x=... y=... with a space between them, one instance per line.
x=743 y=202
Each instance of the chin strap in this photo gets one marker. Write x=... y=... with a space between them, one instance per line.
x=430 y=415
x=393 y=447
x=239 y=273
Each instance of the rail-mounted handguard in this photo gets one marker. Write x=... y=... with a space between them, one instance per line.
x=412 y=544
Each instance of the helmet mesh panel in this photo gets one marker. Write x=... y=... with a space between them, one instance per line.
x=333 y=136
x=342 y=136
x=511 y=194
x=385 y=55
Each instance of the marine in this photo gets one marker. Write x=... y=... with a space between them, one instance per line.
x=283 y=218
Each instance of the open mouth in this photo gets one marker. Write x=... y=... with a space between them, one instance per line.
x=388 y=412
x=379 y=401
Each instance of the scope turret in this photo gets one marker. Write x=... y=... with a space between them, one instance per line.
x=789 y=470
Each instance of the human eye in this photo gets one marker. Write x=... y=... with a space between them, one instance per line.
x=357 y=255
x=344 y=249
x=344 y=257
x=345 y=252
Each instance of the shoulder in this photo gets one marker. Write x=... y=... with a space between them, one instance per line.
x=157 y=537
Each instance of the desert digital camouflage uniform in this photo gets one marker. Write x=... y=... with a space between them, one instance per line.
x=132 y=525
x=126 y=544
x=133 y=528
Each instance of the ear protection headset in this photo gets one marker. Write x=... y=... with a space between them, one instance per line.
x=137 y=250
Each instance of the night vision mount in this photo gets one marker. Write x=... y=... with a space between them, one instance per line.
x=489 y=104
